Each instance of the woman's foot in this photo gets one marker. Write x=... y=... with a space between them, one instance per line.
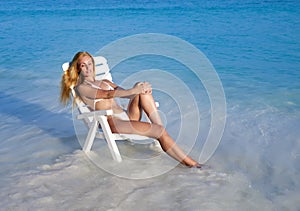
x=197 y=165
x=191 y=163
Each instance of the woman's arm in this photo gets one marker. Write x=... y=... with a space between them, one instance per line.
x=147 y=89
x=116 y=87
x=113 y=85
x=90 y=92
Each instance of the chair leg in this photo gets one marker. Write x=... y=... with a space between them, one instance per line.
x=110 y=139
x=90 y=137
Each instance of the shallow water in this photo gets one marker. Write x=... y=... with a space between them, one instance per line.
x=254 y=47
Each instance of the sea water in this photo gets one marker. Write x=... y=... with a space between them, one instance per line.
x=255 y=49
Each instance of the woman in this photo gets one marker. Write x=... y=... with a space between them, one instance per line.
x=99 y=95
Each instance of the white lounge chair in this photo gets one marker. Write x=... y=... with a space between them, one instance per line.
x=93 y=119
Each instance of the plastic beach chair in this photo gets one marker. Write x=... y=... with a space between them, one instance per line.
x=96 y=121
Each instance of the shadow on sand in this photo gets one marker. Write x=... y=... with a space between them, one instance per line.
x=58 y=125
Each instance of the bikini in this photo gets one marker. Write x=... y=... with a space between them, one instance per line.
x=123 y=115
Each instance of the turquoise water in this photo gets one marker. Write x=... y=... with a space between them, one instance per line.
x=253 y=45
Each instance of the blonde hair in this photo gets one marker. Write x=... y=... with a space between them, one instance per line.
x=71 y=76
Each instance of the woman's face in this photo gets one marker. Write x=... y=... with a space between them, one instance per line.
x=85 y=65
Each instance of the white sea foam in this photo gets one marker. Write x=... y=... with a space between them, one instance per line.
x=41 y=171
x=73 y=182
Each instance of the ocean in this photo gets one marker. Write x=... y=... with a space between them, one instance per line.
x=254 y=48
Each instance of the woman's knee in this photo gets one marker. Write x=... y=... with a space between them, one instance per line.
x=147 y=96
x=160 y=131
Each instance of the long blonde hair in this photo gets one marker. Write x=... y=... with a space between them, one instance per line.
x=71 y=76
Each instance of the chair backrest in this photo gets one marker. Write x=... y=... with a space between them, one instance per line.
x=102 y=72
x=102 y=69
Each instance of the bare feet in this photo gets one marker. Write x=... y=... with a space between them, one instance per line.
x=197 y=165
x=191 y=163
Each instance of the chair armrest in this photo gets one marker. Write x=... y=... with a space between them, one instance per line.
x=95 y=113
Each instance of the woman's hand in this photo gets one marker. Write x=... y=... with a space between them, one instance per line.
x=143 y=88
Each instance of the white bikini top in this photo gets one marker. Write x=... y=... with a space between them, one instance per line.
x=95 y=87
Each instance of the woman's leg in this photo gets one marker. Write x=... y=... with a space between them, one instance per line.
x=140 y=103
x=155 y=131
